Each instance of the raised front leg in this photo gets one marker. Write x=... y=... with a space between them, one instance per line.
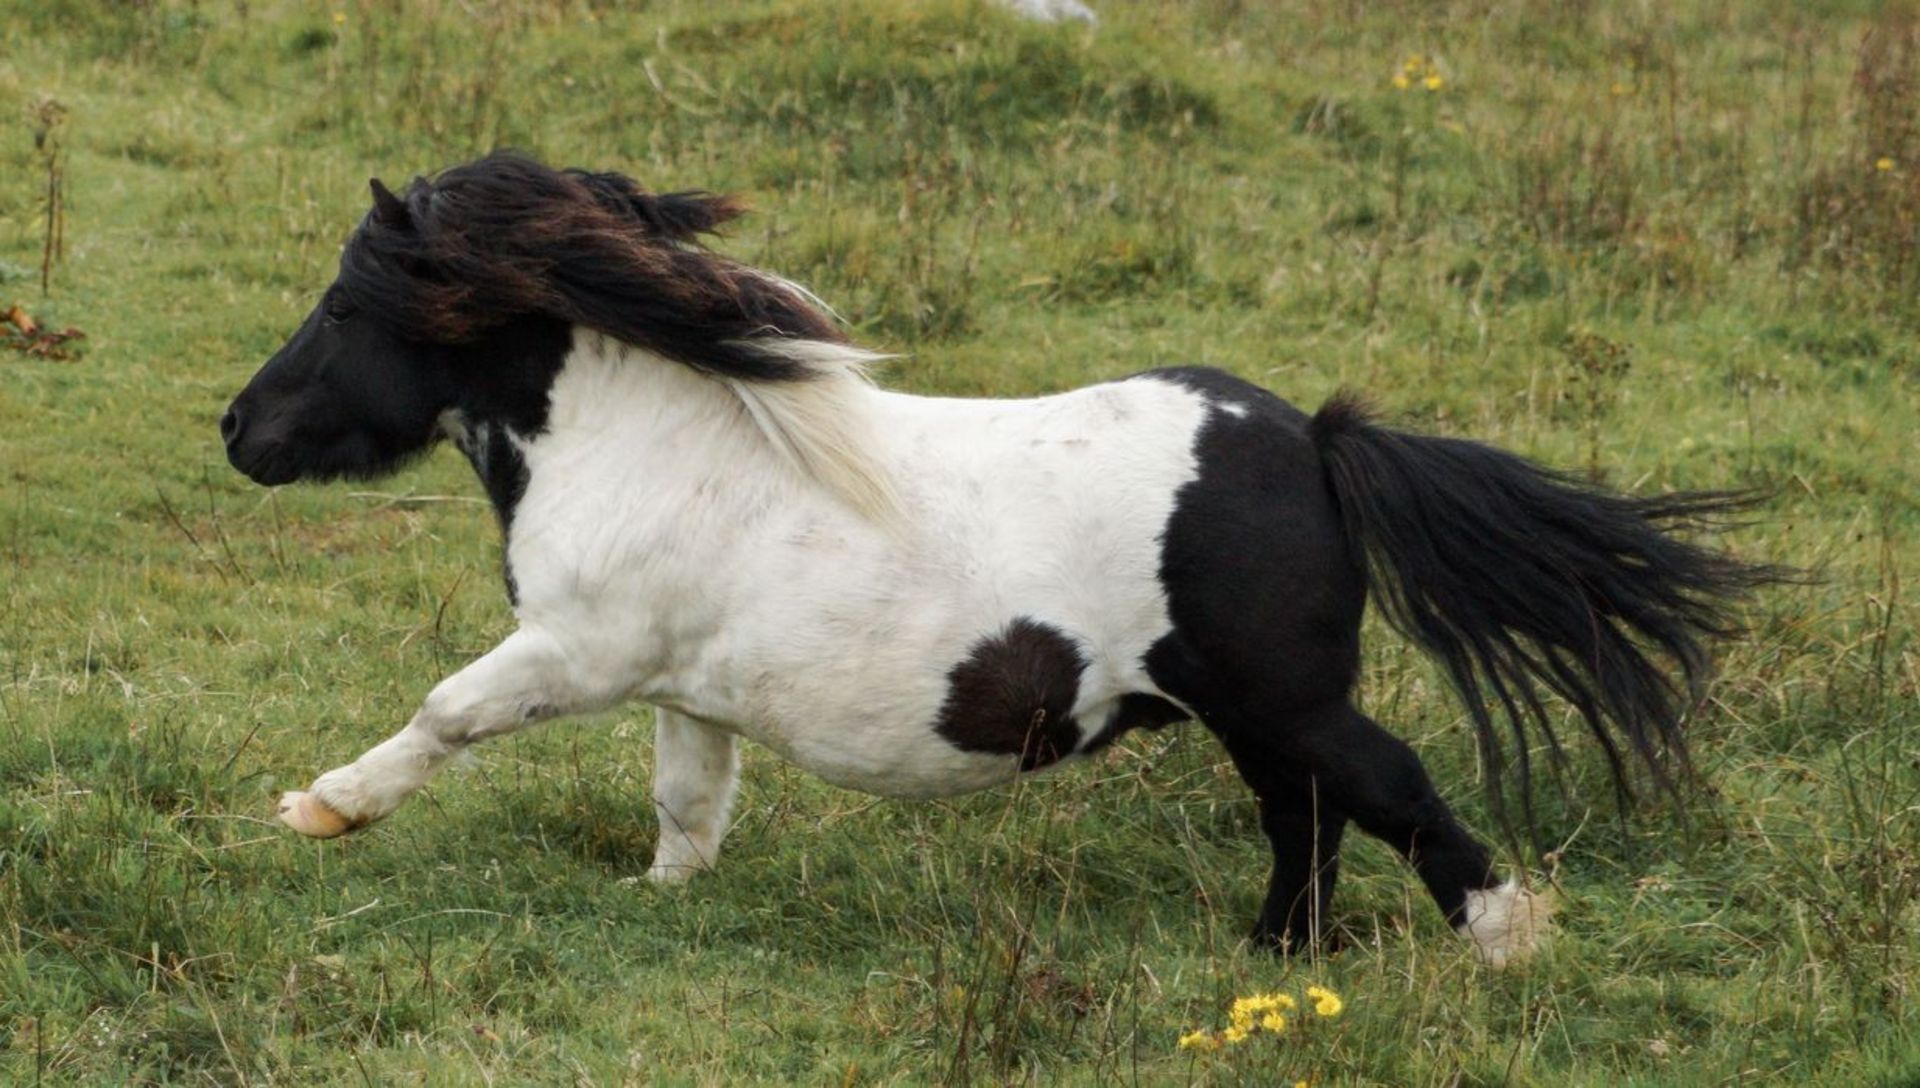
x=696 y=769
x=526 y=679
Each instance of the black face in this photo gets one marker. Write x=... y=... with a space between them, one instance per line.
x=343 y=398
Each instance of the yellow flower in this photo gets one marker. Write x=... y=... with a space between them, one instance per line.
x=1619 y=88
x=1256 y=1012
x=1413 y=64
x=1401 y=82
x=1246 y=1008
x=339 y=18
x=1434 y=82
x=1325 y=1002
x=1199 y=1040
x=1883 y=164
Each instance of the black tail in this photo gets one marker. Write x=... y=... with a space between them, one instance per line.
x=1514 y=576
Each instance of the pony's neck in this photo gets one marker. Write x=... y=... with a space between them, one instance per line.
x=606 y=388
x=820 y=431
x=590 y=400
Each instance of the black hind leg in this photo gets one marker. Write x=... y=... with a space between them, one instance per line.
x=1304 y=830
x=1372 y=777
x=1377 y=780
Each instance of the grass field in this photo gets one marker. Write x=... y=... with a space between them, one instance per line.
x=1677 y=244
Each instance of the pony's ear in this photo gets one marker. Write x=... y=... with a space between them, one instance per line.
x=390 y=210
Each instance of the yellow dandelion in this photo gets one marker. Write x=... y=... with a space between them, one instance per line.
x=1236 y=1034
x=1401 y=82
x=339 y=18
x=1325 y=1002
x=1246 y=1008
x=1274 y=1022
x=1434 y=82
x=1883 y=164
x=1413 y=64
x=1199 y=1040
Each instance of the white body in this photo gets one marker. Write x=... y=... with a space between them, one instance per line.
x=690 y=566
x=668 y=549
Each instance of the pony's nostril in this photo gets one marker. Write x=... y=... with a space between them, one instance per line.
x=231 y=426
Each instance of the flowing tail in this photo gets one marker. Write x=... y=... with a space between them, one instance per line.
x=1515 y=576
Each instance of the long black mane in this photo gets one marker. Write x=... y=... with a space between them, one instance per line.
x=506 y=237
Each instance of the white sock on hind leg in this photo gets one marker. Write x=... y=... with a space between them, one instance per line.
x=1507 y=924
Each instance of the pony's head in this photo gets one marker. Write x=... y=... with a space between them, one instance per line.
x=348 y=395
x=462 y=294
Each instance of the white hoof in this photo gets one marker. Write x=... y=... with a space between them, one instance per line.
x=1507 y=924
x=313 y=817
x=673 y=874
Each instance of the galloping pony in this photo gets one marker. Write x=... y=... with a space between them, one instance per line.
x=708 y=507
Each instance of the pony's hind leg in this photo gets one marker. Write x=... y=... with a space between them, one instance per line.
x=1377 y=780
x=526 y=679
x=1304 y=830
x=696 y=769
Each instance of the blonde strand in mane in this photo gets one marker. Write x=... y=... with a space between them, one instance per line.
x=823 y=423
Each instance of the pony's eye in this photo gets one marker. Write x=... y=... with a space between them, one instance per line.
x=336 y=307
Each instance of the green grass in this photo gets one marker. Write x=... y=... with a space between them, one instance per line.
x=1018 y=208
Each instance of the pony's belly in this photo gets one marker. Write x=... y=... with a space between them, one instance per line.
x=913 y=763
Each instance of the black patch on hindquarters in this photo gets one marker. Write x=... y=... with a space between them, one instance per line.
x=1013 y=694
x=1263 y=592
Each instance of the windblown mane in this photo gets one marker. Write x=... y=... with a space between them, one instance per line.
x=506 y=237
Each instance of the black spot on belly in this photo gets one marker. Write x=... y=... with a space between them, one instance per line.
x=1013 y=694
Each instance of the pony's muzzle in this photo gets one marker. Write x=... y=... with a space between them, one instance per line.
x=232 y=426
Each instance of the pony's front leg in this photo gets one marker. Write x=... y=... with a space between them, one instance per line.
x=695 y=771
x=525 y=679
